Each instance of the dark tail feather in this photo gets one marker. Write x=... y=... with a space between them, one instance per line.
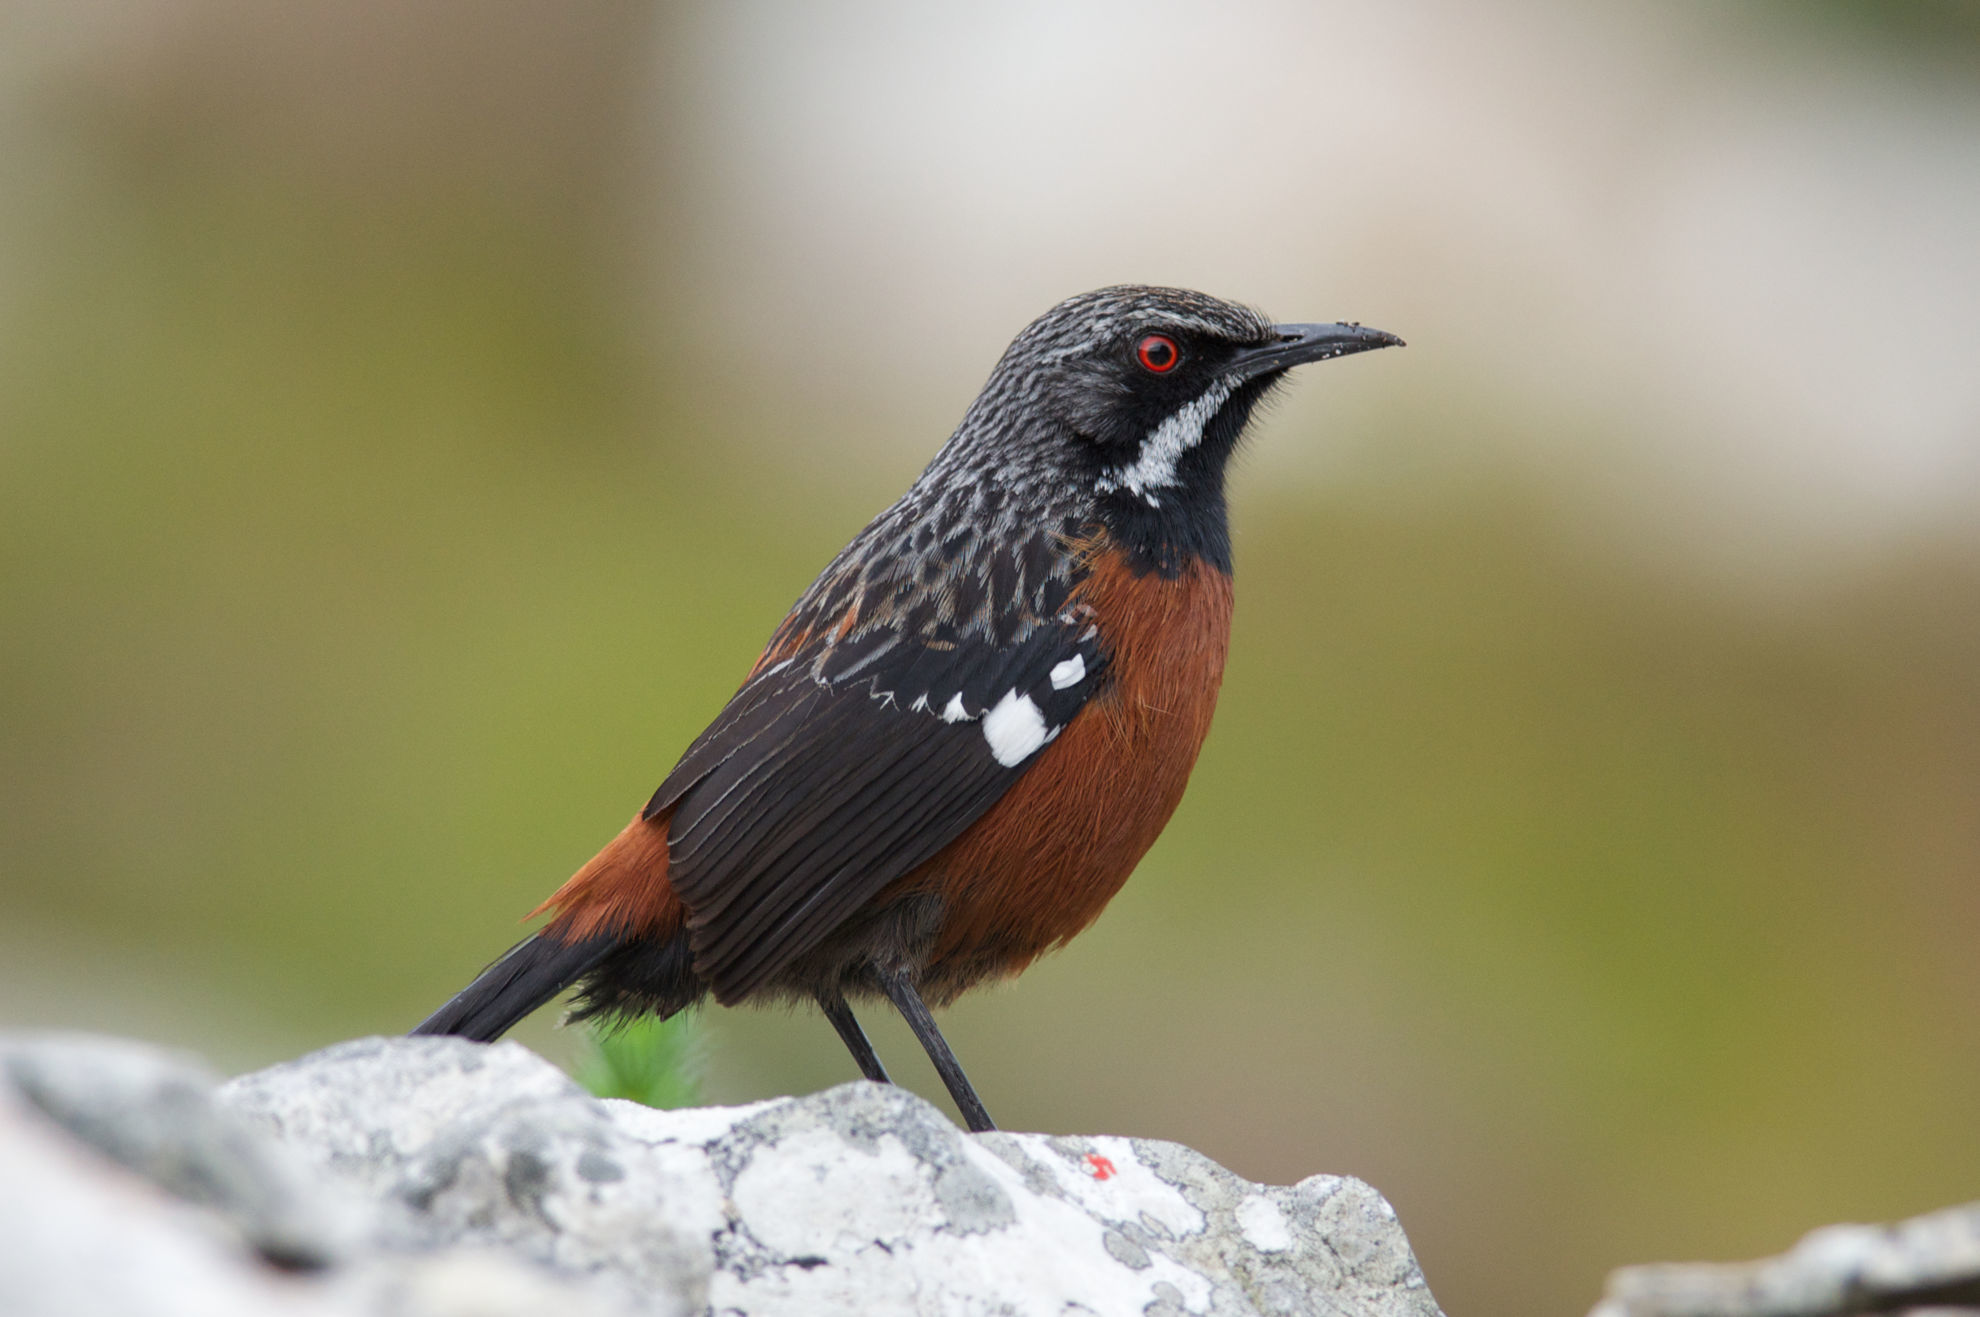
x=529 y=974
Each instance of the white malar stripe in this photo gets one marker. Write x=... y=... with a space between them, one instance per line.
x=1069 y=673
x=954 y=712
x=1015 y=729
x=1161 y=450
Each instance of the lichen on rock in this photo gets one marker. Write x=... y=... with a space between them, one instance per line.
x=445 y=1176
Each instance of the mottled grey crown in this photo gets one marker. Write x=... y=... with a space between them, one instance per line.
x=1067 y=367
x=1079 y=325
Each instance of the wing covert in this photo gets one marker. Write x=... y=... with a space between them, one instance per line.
x=846 y=765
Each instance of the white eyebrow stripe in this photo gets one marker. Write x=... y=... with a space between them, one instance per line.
x=1161 y=450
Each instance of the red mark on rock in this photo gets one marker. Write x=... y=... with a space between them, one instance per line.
x=1099 y=1167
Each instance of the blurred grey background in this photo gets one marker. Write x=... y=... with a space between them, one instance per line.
x=414 y=416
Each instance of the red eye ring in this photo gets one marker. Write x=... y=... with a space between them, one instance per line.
x=1158 y=354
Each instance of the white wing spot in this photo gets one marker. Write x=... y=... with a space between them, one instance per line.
x=1015 y=729
x=1069 y=673
x=920 y=704
x=955 y=712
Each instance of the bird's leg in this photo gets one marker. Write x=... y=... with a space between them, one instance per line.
x=908 y=1002
x=833 y=1003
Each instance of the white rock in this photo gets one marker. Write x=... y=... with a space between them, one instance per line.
x=490 y=1185
x=1927 y=1264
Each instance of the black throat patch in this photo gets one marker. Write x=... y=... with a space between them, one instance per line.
x=1165 y=506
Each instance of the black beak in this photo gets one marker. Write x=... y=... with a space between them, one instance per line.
x=1295 y=345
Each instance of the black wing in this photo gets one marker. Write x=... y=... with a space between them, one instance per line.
x=834 y=772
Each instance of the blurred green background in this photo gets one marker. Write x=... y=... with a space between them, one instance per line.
x=414 y=416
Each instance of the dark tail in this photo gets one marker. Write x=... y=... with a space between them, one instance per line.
x=528 y=975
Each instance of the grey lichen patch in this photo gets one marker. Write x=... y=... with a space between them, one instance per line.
x=741 y=1256
x=527 y=1179
x=435 y=1174
x=729 y=1157
x=1205 y=1185
x=1010 y=1150
x=596 y=1167
x=1071 y=1149
x=1124 y=1250
x=972 y=1202
x=1168 y=1302
x=864 y=1114
x=1358 y=1226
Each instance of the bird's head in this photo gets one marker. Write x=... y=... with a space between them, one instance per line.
x=1139 y=396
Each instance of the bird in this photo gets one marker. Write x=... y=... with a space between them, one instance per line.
x=971 y=726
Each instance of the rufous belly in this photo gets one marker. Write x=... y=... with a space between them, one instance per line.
x=1040 y=865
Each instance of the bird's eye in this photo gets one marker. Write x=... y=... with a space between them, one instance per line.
x=1158 y=353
